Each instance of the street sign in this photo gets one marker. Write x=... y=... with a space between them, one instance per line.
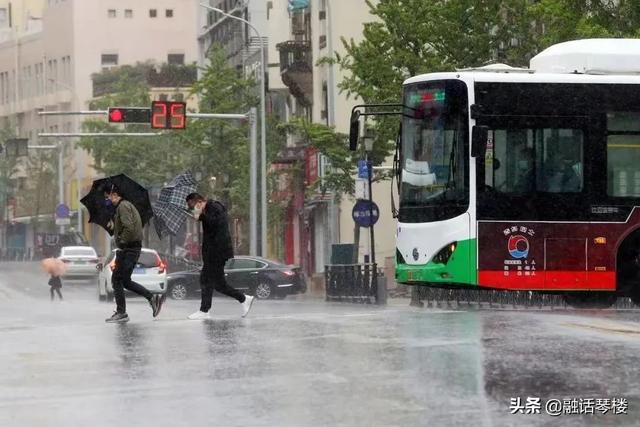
x=363 y=170
x=361 y=213
x=362 y=189
x=62 y=211
x=63 y=221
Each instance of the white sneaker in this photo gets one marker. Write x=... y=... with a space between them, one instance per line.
x=246 y=305
x=199 y=315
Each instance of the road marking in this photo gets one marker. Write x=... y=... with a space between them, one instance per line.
x=612 y=327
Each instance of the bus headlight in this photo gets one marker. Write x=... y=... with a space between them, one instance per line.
x=399 y=257
x=442 y=257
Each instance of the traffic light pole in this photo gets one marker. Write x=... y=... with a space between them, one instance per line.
x=252 y=116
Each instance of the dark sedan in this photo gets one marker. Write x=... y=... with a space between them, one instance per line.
x=252 y=275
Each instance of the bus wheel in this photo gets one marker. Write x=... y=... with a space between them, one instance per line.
x=590 y=299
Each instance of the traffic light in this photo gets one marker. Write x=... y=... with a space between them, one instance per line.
x=129 y=115
x=168 y=115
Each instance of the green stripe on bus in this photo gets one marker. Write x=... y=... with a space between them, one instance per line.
x=461 y=268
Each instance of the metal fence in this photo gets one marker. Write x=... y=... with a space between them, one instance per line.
x=352 y=283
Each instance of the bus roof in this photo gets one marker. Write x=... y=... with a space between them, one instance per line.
x=594 y=61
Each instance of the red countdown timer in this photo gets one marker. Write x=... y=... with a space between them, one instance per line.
x=168 y=115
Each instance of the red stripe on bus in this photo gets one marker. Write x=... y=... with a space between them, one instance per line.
x=550 y=280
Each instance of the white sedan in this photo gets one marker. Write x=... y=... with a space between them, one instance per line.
x=80 y=262
x=150 y=272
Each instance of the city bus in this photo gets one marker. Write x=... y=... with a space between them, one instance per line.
x=525 y=179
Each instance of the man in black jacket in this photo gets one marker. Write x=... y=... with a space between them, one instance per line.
x=216 y=250
x=127 y=229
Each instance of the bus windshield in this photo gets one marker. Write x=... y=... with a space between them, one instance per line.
x=435 y=168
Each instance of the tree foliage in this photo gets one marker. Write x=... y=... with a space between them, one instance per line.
x=216 y=150
x=411 y=37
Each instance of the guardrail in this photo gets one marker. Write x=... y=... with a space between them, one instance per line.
x=17 y=254
x=353 y=283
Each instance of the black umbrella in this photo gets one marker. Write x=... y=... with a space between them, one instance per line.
x=101 y=212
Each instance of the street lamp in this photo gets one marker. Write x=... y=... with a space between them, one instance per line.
x=263 y=134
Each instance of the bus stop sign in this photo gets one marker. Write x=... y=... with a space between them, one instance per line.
x=362 y=214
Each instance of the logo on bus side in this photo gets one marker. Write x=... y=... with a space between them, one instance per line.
x=518 y=246
x=519 y=249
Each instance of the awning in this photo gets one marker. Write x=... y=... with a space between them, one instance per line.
x=298 y=4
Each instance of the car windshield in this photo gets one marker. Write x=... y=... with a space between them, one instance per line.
x=79 y=252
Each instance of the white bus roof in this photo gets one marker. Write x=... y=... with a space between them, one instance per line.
x=579 y=61
x=591 y=56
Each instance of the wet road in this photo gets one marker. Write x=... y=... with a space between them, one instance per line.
x=303 y=362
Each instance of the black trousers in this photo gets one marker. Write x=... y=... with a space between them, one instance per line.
x=212 y=277
x=126 y=260
x=57 y=290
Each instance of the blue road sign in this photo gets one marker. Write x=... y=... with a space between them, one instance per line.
x=361 y=213
x=363 y=170
x=62 y=211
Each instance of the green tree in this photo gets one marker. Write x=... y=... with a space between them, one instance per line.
x=331 y=144
x=150 y=161
x=217 y=150
x=412 y=37
x=575 y=19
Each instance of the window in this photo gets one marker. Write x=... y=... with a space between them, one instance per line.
x=538 y=159
x=623 y=154
x=86 y=252
x=109 y=60
x=128 y=13
x=241 y=263
x=4 y=22
x=153 y=13
x=111 y=13
x=435 y=163
x=322 y=42
x=175 y=58
x=148 y=259
x=168 y=13
x=179 y=97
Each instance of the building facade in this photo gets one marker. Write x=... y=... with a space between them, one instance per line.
x=316 y=30
x=49 y=67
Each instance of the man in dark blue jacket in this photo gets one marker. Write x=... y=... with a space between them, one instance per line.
x=216 y=250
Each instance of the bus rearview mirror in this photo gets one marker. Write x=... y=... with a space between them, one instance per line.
x=479 y=139
x=354 y=131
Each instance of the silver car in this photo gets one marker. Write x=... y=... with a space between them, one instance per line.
x=80 y=262
x=150 y=272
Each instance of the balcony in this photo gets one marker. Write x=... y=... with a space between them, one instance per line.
x=296 y=69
